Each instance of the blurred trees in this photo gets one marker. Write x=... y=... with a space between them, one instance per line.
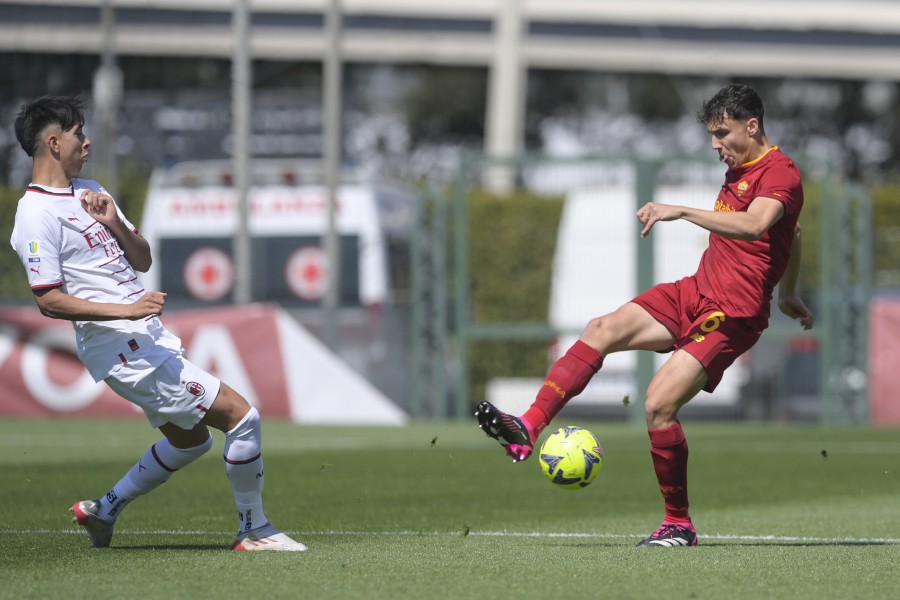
x=413 y=120
x=855 y=124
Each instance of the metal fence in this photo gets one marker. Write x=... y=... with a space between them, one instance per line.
x=791 y=375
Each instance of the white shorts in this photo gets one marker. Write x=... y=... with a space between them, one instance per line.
x=176 y=392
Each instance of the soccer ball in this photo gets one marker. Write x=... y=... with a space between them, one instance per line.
x=571 y=458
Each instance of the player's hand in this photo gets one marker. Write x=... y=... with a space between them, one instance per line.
x=100 y=206
x=796 y=309
x=149 y=305
x=650 y=213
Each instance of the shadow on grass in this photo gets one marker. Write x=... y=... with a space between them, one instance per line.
x=801 y=544
x=153 y=547
x=720 y=544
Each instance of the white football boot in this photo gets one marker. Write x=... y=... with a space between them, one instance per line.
x=266 y=538
x=97 y=529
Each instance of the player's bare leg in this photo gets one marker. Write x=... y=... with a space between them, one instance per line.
x=679 y=380
x=628 y=328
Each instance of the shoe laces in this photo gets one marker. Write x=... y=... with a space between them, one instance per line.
x=514 y=424
x=667 y=528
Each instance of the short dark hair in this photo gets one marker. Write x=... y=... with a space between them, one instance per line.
x=65 y=111
x=736 y=101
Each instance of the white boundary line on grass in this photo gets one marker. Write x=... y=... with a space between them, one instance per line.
x=511 y=534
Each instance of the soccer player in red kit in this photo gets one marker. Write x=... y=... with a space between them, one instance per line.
x=706 y=320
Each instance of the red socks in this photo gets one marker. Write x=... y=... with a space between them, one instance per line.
x=567 y=378
x=669 y=450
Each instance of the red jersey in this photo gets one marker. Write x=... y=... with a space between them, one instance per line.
x=739 y=274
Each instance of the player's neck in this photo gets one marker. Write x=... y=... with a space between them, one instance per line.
x=759 y=150
x=49 y=175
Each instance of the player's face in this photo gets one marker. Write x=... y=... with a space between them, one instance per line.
x=73 y=150
x=734 y=140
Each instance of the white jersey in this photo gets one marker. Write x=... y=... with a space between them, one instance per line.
x=62 y=246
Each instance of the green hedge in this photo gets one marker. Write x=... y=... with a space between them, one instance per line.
x=512 y=244
x=886 y=241
x=13 y=283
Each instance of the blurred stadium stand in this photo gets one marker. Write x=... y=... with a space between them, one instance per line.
x=834 y=39
x=828 y=39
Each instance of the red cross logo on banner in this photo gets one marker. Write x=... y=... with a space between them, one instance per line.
x=208 y=274
x=306 y=273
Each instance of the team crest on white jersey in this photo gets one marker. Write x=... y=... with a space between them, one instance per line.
x=195 y=388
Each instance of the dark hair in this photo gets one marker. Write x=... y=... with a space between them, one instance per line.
x=736 y=101
x=65 y=111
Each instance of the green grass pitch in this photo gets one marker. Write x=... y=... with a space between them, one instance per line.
x=434 y=510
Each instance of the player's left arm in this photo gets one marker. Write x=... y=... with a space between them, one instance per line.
x=103 y=209
x=789 y=301
x=751 y=224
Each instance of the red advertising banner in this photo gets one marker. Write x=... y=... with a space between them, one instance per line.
x=884 y=360
x=40 y=374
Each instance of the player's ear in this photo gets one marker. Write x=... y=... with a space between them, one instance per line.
x=752 y=126
x=49 y=142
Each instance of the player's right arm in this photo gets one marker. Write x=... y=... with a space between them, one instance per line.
x=750 y=224
x=103 y=209
x=56 y=304
x=36 y=239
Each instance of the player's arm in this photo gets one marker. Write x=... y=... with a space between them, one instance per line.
x=56 y=304
x=751 y=224
x=789 y=301
x=134 y=245
x=103 y=209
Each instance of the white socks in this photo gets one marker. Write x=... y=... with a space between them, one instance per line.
x=244 y=467
x=154 y=468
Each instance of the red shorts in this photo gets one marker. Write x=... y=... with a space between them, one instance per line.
x=700 y=327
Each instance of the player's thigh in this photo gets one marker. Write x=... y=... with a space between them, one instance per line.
x=628 y=328
x=175 y=393
x=185 y=438
x=227 y=409
x=679 y=379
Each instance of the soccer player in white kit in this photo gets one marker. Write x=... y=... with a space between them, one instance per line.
x=81 y=256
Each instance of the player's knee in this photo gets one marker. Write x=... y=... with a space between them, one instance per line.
x=659 y=411
x=250 y=426
x=175 y=458
x=597 y=332
x=228 y=410
x=198 y=450
x=205 y=446
x=608 y=333
x=244 y=441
